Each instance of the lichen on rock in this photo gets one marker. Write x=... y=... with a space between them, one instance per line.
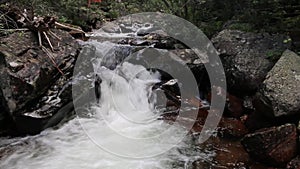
x=280 y=90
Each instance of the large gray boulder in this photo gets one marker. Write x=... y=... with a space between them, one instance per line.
x=247 y=58
x=280 y=93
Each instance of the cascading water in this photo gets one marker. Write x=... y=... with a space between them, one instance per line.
x=126 y=108
x=121 y=131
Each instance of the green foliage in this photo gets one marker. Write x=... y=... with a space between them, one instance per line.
x=209 y=15
x=241 y=26
x=287 y=40
x=210 y=28
x=272 y=15
x=273 y=55
x=21 y=33
x=63 y=19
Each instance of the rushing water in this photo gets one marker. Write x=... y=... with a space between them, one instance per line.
x=93 y=141
x=77 y=144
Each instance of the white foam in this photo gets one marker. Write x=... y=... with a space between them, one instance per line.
x=123 y=123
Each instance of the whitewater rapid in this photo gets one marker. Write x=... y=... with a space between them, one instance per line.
x=124 y=123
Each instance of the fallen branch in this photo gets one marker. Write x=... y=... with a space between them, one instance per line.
x=48 y=40
x=14 y=30
x=68 y=27
x=54 y=35
x=40 y=39
x=52 y=59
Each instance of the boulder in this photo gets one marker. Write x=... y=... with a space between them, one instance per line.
x=273 y=146
x=27 y=73
x=46 y=111
x=232 y=128
x=234 y=106
x=280 y=92
x=247 y=58
x=294 y=164
x=256 y=120
x=229 y=154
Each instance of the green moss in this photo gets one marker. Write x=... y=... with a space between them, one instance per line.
x=273 y=55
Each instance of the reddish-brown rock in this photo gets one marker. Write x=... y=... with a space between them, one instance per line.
x=257 y=120
x=230 y=154
x=273 y=146
x=260 y=166
x=234 y=106
x=232 y=127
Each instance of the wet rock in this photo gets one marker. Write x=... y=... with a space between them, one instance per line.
x=55 y=105
x=273 y=146
x=248 y=104
x=256 y=120
x=247 y=58
x=260 y=166
x=111 y=27
x=155 y=40
x=6 y=122
x=280 y=93
x=27 y=72
x=294 y=164
x=189 y=57
x=234 y=106
x=231 y=154
x=230 y=127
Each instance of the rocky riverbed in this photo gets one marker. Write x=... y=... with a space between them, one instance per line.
x=259 y=126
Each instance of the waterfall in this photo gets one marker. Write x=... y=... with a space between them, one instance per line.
x=121 y=131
